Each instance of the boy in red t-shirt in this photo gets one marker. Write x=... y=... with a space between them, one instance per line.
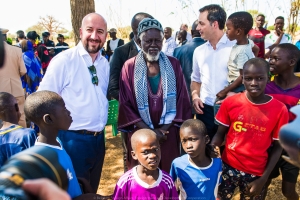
x=251 y=122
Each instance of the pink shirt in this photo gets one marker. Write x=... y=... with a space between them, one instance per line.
x=130 y=186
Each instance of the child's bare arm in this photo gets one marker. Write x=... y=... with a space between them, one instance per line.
x=218 y=140
x=255 y=50
x=254 y=188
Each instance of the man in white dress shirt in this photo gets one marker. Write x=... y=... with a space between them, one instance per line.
x=210 y=64
x=80 y=75
x=169 y=43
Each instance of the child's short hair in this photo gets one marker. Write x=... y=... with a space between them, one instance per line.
x=196 y=125
x=258 y=62
x=292 y=52
x=242 y=20
x=5 y=99
x=40 y=103
x=139 y=134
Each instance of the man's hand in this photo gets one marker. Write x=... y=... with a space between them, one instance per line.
x=198 y=105
x=44 y=189
x=255 y=187
x=222 y=94
x=160 y=136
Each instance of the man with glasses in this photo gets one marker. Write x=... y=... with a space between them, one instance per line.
x=80 y=75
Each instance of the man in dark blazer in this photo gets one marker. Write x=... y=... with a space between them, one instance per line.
x=185 y=54
x=121 y=54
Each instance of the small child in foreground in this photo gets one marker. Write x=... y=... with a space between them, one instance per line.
x=251 y=122
x=14 y=138
x=47 y=110
x=145 y=181
x=196 y=174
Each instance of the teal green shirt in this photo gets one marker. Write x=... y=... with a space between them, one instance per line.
x=154 y=82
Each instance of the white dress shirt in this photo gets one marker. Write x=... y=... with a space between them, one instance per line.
x=189 y=37
x=69 y=76
x=169 y=46
x=210 y=68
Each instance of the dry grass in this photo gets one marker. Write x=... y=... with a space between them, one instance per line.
x=113 y=169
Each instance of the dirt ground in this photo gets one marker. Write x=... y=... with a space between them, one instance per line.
x=113 y=169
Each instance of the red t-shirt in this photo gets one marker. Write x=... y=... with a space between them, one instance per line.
x=252 y=128
x=258 y=37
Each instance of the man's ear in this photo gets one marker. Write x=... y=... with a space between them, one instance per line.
x=238 y=31
x=139 y=42
x=242 y=79
x=47 y=119
x=207 y=139
x=133 y=155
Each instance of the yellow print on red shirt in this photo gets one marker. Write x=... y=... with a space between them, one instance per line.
x=240 y=126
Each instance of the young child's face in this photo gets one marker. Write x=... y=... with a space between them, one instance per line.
x=193 y=143
x=255 y=79
x=147 y=152
x=279 y=61
x=230 y=30
x=62 y=116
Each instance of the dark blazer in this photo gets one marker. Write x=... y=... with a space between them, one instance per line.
x=108 y=49
x=121 y=55
x=185 y=56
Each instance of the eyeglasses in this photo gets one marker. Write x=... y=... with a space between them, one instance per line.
x=93 y=72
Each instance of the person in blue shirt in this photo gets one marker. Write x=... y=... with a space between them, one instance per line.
x=14 y=138
x=47 y=109
x=196 y=174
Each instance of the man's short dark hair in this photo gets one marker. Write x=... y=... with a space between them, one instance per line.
x=215 y=13
x=260 y=15
x=242 y=20
x=194 y=31
x=39 y=104
x=279 y=17
x=20 y=34
x=258 y=62
x=139 y=15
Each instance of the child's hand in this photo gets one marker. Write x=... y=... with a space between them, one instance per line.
x=214 y=151
x=255 y=187
x=222 y=94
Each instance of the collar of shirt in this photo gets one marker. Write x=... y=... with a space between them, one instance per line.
x=137 y=46
x=86 y=56
x=170 y=38
x=224 y=40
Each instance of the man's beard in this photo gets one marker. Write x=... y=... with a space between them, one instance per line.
x=151 y=58
x=93 y=49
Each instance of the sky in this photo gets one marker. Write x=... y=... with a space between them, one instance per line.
x=21 y=14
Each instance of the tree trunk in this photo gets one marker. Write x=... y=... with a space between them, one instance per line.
x=79 y=9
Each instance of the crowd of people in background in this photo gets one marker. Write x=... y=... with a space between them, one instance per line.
x=180 y=95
